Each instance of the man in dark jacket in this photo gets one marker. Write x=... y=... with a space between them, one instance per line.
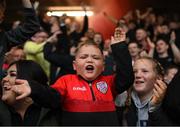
x=20 y=34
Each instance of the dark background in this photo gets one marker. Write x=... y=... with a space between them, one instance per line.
x=160 y=5
x=116 y=8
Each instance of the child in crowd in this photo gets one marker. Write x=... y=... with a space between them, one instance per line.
x=143 y=104
x=86 y=98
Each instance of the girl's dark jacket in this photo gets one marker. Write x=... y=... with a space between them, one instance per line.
x=156 y=118
x=169 y=112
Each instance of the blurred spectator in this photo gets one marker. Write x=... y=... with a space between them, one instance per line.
x=61 y=61
x=164 y=56
x=141 y=36
x=75 y=32
x=170 y=72
x=16 y=53
x=25 y=112
x=90 y=34
x=20 y=34
x=134 y=50
x=98 y=39
x=34 y=50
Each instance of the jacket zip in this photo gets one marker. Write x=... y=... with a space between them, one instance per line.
x=92 y=93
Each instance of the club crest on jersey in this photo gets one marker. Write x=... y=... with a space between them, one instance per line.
x=102 y=87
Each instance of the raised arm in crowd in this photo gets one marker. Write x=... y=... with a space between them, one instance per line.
x=21 y=33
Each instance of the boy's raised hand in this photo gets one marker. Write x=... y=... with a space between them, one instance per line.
x=119 y=36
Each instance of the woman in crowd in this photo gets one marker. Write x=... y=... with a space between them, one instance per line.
x=25 y=112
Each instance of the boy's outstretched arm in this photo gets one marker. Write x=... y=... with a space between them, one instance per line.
x=40 y=93
x=124 y=71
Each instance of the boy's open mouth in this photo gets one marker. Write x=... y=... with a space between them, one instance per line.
x=89 y=68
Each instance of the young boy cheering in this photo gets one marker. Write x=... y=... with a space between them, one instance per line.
x=86 y=98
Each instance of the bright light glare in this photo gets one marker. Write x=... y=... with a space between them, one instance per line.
x=70 y=13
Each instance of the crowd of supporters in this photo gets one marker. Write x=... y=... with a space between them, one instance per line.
x=55 y=72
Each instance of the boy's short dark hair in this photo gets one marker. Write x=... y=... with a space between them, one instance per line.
x=81 y=44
